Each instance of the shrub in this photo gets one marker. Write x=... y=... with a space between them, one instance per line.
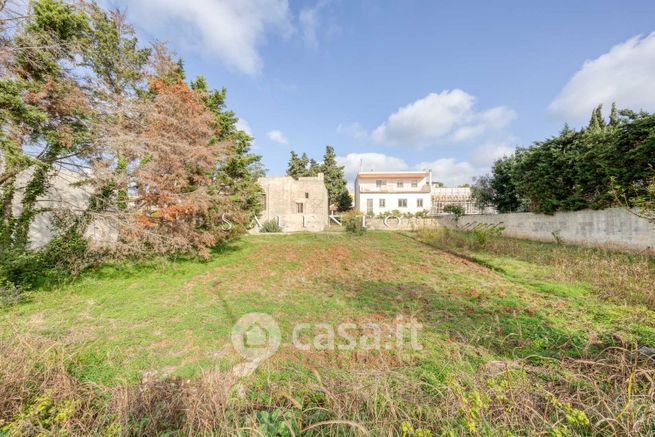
x=352 y=223
x=65 y=256
x=10 y=293
x=454 y=208
x=270 y=226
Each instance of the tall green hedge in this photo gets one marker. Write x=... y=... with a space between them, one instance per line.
x=577 y=169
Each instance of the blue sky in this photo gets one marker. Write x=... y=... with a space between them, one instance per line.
x=447 y=85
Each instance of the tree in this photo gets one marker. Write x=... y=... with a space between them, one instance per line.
x=44 y=110
x=314 y=168
x=506 y=198
x=642 y=205
x=482 y=192
x=580 y=168
x=335 y=181
x=454 y=208
x=344 y=201
x=297 y=166
x=240 y=168
x=174 y=206
x=597 y=122
x=614 y=116
x=79 y=92
x=338 y=197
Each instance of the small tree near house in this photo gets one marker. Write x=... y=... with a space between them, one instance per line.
x=454 y=208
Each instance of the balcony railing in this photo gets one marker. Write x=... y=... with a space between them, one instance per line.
x=392 y=189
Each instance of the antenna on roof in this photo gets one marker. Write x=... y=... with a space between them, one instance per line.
x=361 y=163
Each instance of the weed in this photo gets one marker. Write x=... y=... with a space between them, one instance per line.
x=270 y=226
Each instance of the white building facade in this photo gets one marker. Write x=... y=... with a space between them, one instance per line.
x=380 y=192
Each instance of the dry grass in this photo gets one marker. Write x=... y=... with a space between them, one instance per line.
x=619 y=277
x=610 y=393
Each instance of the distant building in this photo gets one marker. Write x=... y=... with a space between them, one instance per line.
x=379 y=192
x=442 y=196
x=297 y=204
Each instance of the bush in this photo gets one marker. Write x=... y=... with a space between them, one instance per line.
x=270 y=226
x=65 y=256
x=454 y=208
x=10 y=294
x=353 y=224
x=481 y=236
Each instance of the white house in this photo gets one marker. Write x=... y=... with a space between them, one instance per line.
x=383 y=191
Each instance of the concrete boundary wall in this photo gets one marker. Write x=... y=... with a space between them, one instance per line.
x=613 y=228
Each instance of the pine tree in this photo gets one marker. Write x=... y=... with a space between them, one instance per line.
x=297 y=165
x=599 y=116
x=225 y=120
x=594 y=122
x=614 y=116
x=344 y=202
x=597 y=122
x=238 y=174
x=314 y=167
x=304 y=164
x=335 y=182
x=240 y=168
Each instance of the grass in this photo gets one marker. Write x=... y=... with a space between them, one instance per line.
x=518 y=338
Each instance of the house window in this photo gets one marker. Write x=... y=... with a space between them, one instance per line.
x=381 y=203
x=400 y=184
x=380 y=183
x=300 y=207
x=414 y=184
x=402 y=203
x=263 y=200
x=419 y=203
x=306 y=195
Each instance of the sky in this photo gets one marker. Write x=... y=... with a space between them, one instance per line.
x=401 y=85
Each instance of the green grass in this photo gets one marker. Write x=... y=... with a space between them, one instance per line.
x=121 y=324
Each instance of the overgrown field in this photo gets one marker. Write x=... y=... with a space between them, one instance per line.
x=518 y=338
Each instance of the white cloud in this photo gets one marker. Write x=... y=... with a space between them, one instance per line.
x=623 y=75
x=230 y=30
x=449 y=116
x=310 y=21
x=354 y=130
x=449 y=171
x=486 y=154
x=277 y=136
x=353 y=162
x=243 y=125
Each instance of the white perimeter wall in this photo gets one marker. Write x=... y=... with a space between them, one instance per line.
x=613 y=228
